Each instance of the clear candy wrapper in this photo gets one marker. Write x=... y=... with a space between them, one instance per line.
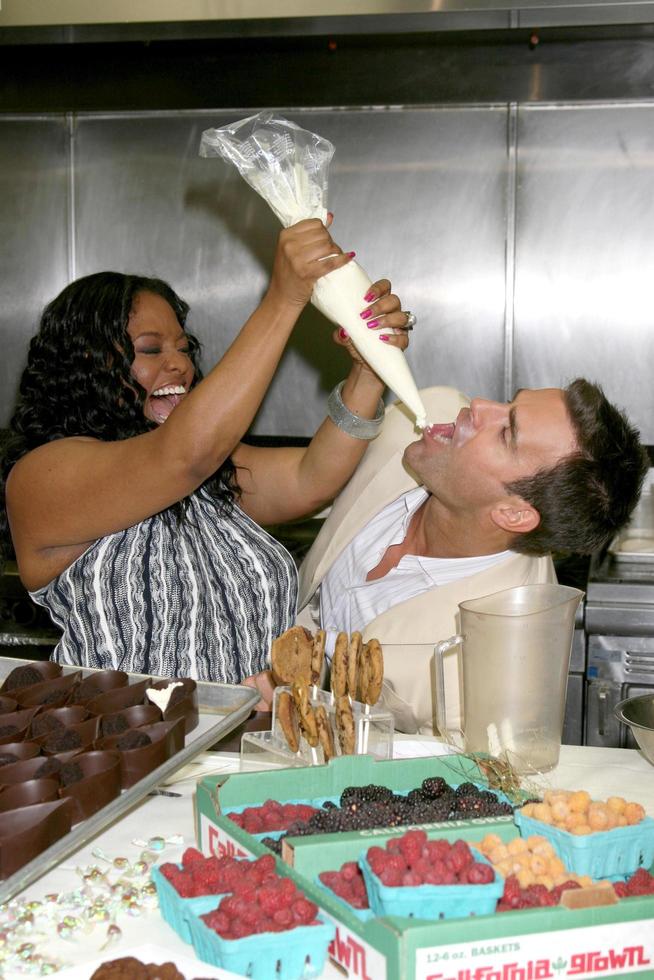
x=288 y=166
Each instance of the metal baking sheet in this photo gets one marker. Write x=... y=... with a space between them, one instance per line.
x=222 y=708
x=634 y=545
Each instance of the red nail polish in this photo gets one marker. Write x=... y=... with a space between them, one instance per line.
x=372 y=323
x=342 y=334
x=370 y=295
x=364 y=314
x=350 y=255
x=384 y=337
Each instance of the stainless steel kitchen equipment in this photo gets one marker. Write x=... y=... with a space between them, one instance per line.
x=638 y=714
x=222 y=708
x=619 y=625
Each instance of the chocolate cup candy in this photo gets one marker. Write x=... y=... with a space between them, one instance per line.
x=46 y=668
x=167 y=738
x=20 y=721
x=71 y=714
x=54 y=742
x=7 y=705
x=28 y=793
x=185 y=706
x=51 y=694
x=100 y=784
x=137 y=715
x=27 y=831
x=20 y=750
x=100 y=682
x=119 y=698
x=20 y=772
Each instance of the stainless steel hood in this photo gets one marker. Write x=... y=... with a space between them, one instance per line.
x=202 y=17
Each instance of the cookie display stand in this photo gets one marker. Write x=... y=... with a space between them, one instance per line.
x=373 y=726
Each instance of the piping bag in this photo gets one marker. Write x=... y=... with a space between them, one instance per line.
x=288 y=167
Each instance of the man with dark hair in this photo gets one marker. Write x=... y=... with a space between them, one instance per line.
x=473 y=507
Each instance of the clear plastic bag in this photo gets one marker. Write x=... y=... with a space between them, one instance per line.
x=288 y=166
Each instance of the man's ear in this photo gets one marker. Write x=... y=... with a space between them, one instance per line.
x=515 y=516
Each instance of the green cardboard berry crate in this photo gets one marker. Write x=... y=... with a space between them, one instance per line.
x=601 y=941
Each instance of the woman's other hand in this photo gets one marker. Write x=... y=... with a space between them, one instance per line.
x=263 y=683
x=305 y=252
x=382 y=313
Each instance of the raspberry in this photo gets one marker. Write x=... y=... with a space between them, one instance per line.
x=191 y=857
x=479 y=873
x=437 y=850
x=350 y=870
x=411 y=845
x=283 y=918
x=391 y=877
x=621 y=889
x=376 y=858
x=304 y=911
x=410 y=879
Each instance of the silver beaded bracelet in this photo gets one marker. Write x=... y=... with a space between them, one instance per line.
x=350 y=423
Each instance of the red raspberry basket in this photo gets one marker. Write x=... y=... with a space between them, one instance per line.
x=175 y=909
x=295 y=954
x=432 y=901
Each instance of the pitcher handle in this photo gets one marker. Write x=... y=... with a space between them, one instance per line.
x=439 y=680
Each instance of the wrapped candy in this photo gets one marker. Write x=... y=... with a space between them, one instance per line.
x=288 y=167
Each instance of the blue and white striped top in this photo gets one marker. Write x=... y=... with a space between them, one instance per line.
x=203 y=598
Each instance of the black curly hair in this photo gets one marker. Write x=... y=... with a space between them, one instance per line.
x=78 y=378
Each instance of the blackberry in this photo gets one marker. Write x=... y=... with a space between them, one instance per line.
x=273 y=845
x=364 y=794
x=471 y=804
x=488 y=797
x=416 y=796
x=466 y=789
x=434 y=786
x=329 y=805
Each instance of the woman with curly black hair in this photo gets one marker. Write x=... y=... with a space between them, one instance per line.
x=134 y=507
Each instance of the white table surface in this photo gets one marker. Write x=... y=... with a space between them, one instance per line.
x=602 y=772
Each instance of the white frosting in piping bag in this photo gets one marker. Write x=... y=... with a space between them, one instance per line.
x=339 y=296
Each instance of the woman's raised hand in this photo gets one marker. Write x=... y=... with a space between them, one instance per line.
x=305 y=252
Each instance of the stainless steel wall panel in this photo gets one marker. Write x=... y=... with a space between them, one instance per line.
x=418 y=194
x=34 y=175
x=585 y=251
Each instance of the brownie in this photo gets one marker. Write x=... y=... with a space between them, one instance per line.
x=51 y=767
x=115 y=725
x=46 y=723
x=129 y=968
x=52 y=696
x=133 y=740
x=8 y=730
x=70 y=772
x=6 y=759
x=22 y=677
x=89 y=688
x=63 y=741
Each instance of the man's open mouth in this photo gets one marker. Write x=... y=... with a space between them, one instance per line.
x=441 y=432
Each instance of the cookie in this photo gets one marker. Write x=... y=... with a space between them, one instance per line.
x=317 y=655
x=345 y=725
x=372 y=662
x=306 y=714
x=339 y=665
x=325 y=733
x=287 y=716
x=290 y=657
x=353 y=651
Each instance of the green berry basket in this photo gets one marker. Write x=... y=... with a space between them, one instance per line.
x=432 y=901
x=294 y=954
x=175 y=909
x=612 y=854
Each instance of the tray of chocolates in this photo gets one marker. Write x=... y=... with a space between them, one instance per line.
x=79 y=747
